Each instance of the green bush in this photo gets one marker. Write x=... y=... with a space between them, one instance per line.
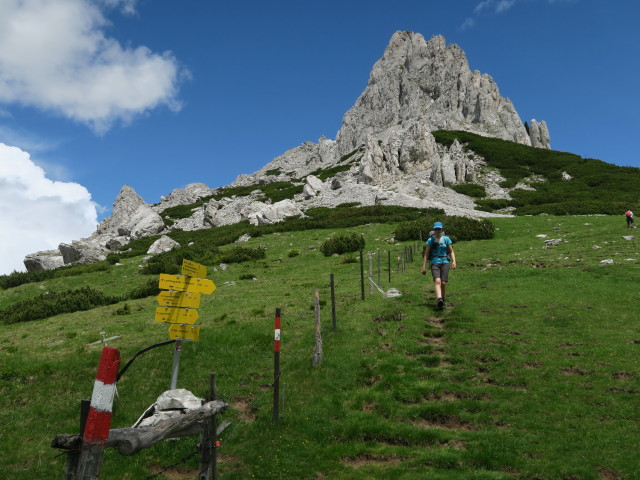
x=595 y=187
x=348 y=242
x=148 y=289
x=241 y=254
x=54 y=303
x=492 y=204
x=471 y=189
x=16 y=279
x=293 y=253
x=456 y=228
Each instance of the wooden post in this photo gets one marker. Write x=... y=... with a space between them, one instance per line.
x=389 y=264
x=208 y=453
x=333 y=302
x=74 y=455
x=370 y=275
x=317 y=352
x=361 y=275
x=96 y=430
x=276 y=367
x=378 y=266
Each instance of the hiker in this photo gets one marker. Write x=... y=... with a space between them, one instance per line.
x=629 y=215
x=442 y=250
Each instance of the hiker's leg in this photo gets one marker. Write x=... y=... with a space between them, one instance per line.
x=443 y=288
x=438 y=284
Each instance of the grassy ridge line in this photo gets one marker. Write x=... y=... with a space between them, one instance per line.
x=595 y=187
x=404 y=392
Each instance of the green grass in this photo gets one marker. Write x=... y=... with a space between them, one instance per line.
x=595 y=187
x=531 y=373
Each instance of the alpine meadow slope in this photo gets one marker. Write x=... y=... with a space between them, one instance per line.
x=530 y=372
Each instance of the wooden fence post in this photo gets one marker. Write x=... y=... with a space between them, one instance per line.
x=74 y=455
x=317 y=352
x=361 y=275
x=370 y=275
x=96 y=430
x=333 y=302
x=208 y=451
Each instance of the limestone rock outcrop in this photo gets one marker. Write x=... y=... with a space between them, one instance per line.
x=430 y=81
x=383 y=154
x=163 y=244
x=131 y=217
x=539 y=134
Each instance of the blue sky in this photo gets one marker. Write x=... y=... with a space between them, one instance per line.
x=157 y=94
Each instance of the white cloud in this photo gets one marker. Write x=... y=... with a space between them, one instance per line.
x=500 y=6
x=54 y=55
x=37 y=213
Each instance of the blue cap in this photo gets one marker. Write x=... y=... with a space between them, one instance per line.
x=437 y=225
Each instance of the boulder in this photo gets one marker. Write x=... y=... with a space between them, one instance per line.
x=275 y=213
x=46 y=260
x=163 y=244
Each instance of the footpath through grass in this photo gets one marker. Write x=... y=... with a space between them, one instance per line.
x=530 y=373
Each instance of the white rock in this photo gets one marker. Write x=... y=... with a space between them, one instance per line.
x=163 y=244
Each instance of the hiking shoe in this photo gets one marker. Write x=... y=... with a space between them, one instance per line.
x=440 y=303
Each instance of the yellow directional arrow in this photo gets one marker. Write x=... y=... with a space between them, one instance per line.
x=184 y=332
x=176 y=315
x=186 y=284
x=193 y=269
x=179 y=299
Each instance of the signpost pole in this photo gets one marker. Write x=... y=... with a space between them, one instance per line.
x=176 y=364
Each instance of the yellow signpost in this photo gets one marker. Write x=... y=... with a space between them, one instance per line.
x=179 y=299
x=184 y=332
x=193 y=269
x=177 y=306
x=186 y=284
x=176 y=315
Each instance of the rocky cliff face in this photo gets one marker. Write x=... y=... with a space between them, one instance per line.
x=385 y=152
x=429 y=83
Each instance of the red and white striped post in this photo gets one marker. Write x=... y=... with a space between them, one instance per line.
x=276 y=367
x=96 y=430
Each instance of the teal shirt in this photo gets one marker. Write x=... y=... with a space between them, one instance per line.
x=439 y=249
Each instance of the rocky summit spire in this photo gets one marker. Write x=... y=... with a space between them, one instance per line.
x=431 y=83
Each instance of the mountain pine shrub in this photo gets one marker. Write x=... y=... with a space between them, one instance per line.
x=457 y=228
x=345 y=243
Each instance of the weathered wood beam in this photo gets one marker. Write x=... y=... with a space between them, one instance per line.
x=131 y=440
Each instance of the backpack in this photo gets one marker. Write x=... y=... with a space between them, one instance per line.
x=629 y=214
x=431 y=250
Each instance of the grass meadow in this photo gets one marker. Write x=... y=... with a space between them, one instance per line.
x=531 y=372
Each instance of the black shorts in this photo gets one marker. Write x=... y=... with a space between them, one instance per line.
x=441 y=271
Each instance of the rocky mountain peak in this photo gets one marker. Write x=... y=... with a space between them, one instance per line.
x=429 y=82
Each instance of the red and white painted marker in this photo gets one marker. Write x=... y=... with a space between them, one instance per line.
x=98 y=423
x=276 y=342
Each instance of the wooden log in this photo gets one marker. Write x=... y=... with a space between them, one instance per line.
x=131 y=440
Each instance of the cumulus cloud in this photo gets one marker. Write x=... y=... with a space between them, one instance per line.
x=54 y=55
x=37 y=213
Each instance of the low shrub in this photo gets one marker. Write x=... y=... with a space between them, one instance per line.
x=54 y=303
x=148 y=289
x=349 y=242
x=293 y=253
x=457 y=228
x=247 y=276
x=241 y=254
x=16 y=279
x=124 y=310
x=471 y=189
